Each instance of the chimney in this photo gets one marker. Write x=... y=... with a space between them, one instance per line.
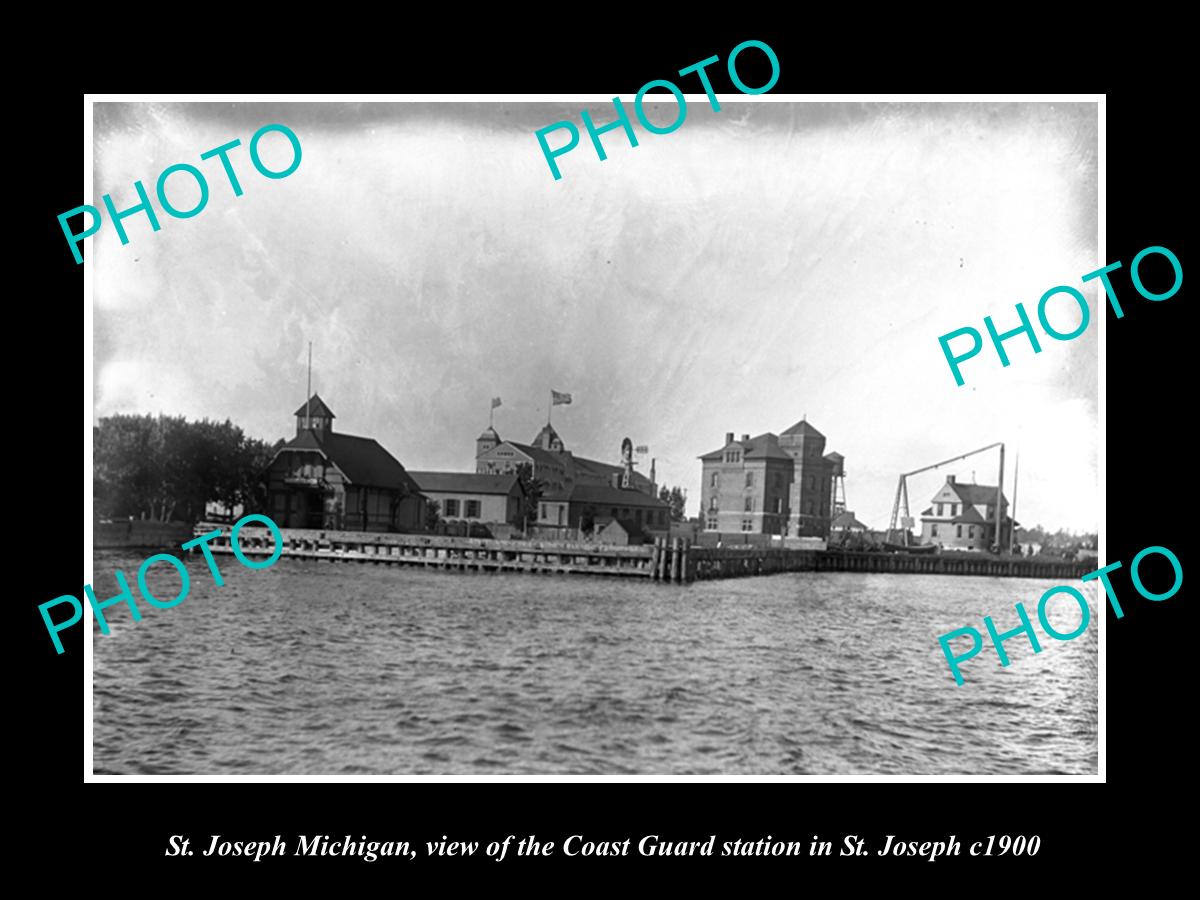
x=745 y=438
x=949 y=479
x=729 y=437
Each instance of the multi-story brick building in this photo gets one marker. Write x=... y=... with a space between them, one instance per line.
x=770 y=484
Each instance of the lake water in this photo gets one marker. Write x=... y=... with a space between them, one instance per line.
x=328 y=668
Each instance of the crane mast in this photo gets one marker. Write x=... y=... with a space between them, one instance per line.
x=901 y=500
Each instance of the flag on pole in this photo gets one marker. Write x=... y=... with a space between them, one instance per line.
x=557 y=398
x=495 y=402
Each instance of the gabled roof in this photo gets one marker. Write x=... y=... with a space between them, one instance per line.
x=362 y=460
x=975 y=493
x=765 y=446
x=847 y=520
x=834 y=455
x=464 y=482
x=596 y=469
x=970 y=516
x=802 y=427
x=318 y=408
x=538 y=454
x=600 y=494
x=546 y=435
x=489 y=434
x=629 y=526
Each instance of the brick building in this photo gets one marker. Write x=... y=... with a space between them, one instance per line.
x=770 y=484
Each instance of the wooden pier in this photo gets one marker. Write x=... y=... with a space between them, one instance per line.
x=672 y=560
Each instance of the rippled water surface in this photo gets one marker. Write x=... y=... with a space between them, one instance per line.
x=326 y=668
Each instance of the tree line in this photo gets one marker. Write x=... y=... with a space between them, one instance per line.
x=166 y=468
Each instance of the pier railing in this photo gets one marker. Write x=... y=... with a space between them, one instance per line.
x=674 y=560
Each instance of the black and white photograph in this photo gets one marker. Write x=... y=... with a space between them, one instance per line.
x=429 y=440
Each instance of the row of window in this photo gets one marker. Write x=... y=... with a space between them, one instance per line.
x=776 y=480
x=470 y=509
x=959 y=531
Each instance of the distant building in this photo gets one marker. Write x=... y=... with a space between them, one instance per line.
x=963 y=516
x=557 y=468
x=585 y=506
x=845 y=523
x=621 y=532
x=321 y=479
x=770 y=484
x=472 y=497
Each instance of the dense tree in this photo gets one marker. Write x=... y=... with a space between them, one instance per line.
x=433 y=515
x=677 y=500
x=166 y=468
x=532 y=489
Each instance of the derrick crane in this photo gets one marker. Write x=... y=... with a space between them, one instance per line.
x=902 y=493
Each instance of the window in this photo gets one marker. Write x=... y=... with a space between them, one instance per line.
x=934 y=532
x=712 y=523
x=749 y=504
x=778 y=504
x=452 y=507
x=542 y=511
x=971 y=531
x=939 y=512
x=712 y=504
x=472 y=509
x=954 y=509
x=716 y=479
x=747 y=524
x=959 y=531
x=749 y=479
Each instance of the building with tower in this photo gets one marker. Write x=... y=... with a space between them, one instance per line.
x=324 y=479
x=772 y=484
x=553 y=464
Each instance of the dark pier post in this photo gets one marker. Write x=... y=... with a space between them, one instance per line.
x=676 y=560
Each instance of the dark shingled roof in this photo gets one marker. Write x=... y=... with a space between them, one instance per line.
x=464 y=482
x=976 y=493
x=802 y=427
x=537 y=453
x=631 y=527
x=970 y=516
x=318 y=408
x=597 y=469
x=600 y=494
x=363 y=460
x=847 y=520
x=763 y=446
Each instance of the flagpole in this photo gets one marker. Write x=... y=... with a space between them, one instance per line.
x=308 y=401
x=550 y=408
x=491 y=417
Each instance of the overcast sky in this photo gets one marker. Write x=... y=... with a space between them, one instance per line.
x=761 y=263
